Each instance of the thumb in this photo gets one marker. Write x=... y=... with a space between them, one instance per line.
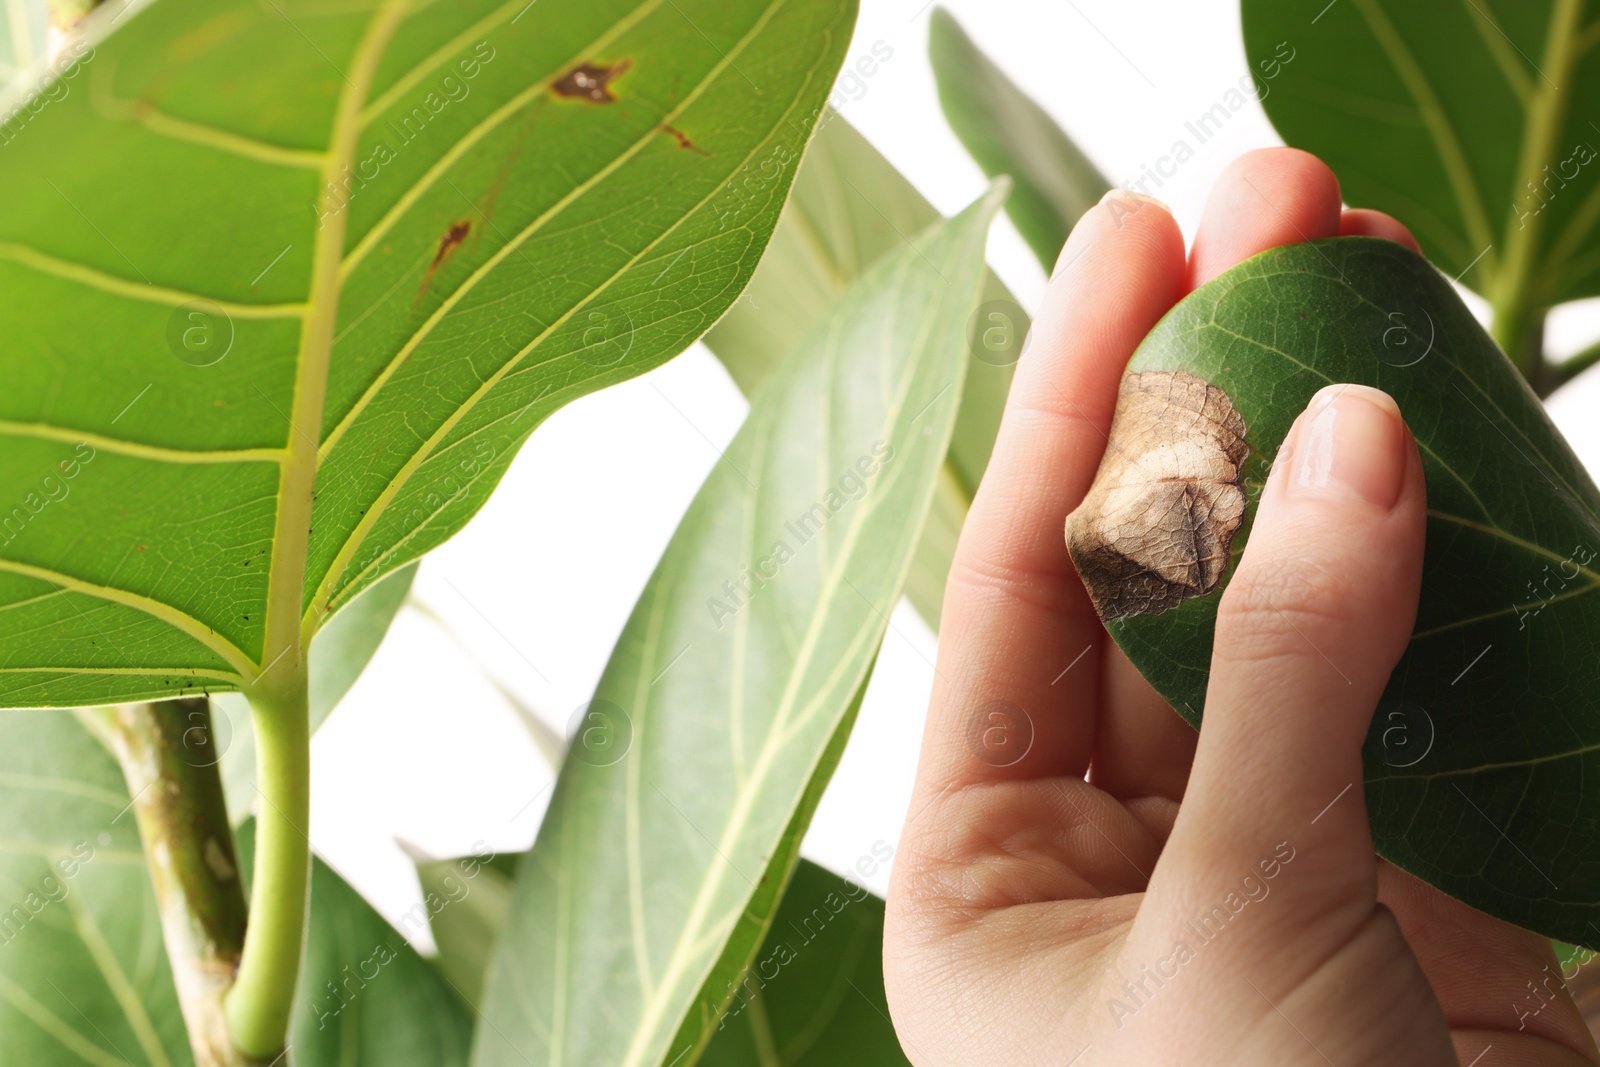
x=1308 y=630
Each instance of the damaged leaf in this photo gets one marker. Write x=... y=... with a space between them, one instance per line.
x=591 y=82
x=1482 y=753
x=1155 y=528
x=294 y=345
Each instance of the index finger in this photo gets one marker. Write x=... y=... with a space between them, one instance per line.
x=1005 y=705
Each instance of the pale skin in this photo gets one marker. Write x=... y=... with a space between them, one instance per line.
x=1025 y=896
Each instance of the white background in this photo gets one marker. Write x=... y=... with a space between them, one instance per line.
x=538 y=587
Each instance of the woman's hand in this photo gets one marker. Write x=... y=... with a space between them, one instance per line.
x=1130 y=893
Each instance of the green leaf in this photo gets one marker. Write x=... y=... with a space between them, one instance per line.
x=849 y=208
x=1007 y=133
x=24 y=29
x=83 y=971
x=716 y=708
x=366 y=998
x=466 y=900
x=340 y=652
x=701 y=1023
x=1447 y=116
x=815 y=997
x=244 y=382
x=1480 y=752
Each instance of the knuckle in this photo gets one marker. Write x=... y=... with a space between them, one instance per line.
x=1273 y=610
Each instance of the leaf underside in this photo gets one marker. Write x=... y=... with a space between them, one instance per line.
x=729 y=703
x=849 y=208
x=501 y=243
x=815 y=996
x=1479 y=755
x=84 y=976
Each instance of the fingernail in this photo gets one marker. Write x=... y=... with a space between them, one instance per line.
x=1132 y=199
x=1351 y=438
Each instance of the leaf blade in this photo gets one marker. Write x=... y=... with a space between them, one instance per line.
x=1453 y=772
x=461 y=325
x=850 y=207
x=698 y=844
x=1006 y=132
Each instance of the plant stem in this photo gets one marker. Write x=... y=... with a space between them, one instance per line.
x=1570 y=368
x=1519 y=331
x=260 y=1003
x=169 y=759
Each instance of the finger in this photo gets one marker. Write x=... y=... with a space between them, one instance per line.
x=1364 y=222
x=1264 y=199
x=1016 y=683
x=1142 y=748
x=1308 y=630
x=1487 y=974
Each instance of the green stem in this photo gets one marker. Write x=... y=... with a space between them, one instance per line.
x=1519 y=331
x=1570 y=368
x=1515 y=294
x=262 y=999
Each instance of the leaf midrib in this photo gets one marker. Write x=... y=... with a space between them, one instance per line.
x=776 y=738
x=284 y=633
x=1468 y=197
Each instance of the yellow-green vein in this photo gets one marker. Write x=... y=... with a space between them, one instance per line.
x=128 y=998
x=119 y=446
x=742 y=809
x=44 y=263
x=1451 y=156
x=434 y=61
x=482 y=130
x=353 y=542
x=178 y=620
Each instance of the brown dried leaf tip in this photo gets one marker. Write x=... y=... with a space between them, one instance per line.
x=1156 y=526
x=591 y=82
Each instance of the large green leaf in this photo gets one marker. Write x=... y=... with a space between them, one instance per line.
x=339 y=654
x=1471 y=122
x=1480 y=753
x=850 y=207
x=716 y=708
x=83 y=972
x=703 y=1021
x=465 y=901
x=1008 y=133
x=815 y=996
x=539 y=201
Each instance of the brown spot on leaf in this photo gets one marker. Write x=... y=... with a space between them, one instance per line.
x=1157 y=524
x=452 y=237
x=449 y=241
x=683 y=140
x=591 y=82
